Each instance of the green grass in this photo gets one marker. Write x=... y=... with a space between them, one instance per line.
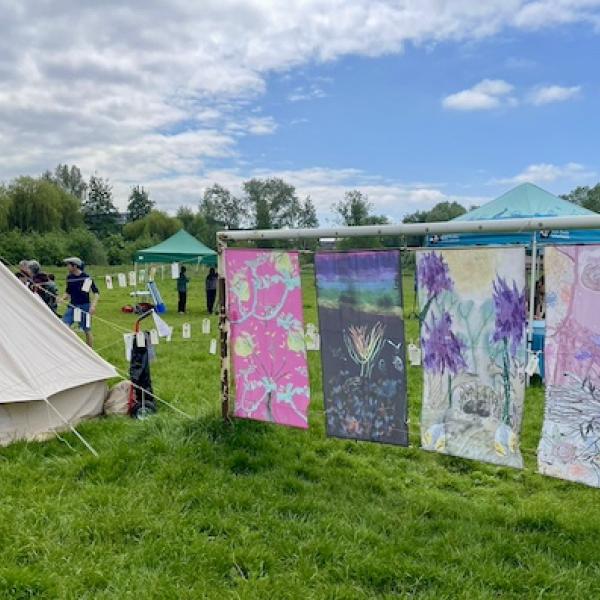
x=180 y=508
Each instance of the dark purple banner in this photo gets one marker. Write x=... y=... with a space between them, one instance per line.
x=362 y=345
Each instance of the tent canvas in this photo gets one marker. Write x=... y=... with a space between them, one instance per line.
x=524 y=201
x=180 y=247
x=49 y=379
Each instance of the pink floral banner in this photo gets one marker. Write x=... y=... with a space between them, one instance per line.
x=570 y=444
x=268 y=350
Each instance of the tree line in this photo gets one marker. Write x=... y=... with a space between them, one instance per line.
x=60 y=213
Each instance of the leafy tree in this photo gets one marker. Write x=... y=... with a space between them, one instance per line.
x=5 y=204
x=186 y=216
x=99 y=211
x=272 y=203
x=34 y=205
x=585 y=196
x=220 y=207
x=355 y=210
x=139 y=204
x=70 y=180
x=156 y=226
x=307 y=217
x=443 y=211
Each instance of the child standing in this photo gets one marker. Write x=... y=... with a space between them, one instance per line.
x=182 y=283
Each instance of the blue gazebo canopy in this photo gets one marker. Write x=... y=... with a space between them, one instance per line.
x=522 y=202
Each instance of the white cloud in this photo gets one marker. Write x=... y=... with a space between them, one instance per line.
x=487 y=94
x=152 y=92
x=302 y=93
x=548 y=173
x=553 y=93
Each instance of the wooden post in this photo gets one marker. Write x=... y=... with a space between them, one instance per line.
x=224 y=331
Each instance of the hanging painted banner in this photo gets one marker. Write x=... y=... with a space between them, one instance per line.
x=264 y=303
x=362 y=345
x=473 y=315
x=570 y=444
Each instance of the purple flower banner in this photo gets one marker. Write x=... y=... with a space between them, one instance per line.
x=473 y=312
x=362 y=345
x=570 y=444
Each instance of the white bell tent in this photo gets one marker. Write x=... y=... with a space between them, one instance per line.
x=49 y=379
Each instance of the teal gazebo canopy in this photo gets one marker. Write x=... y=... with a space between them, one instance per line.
x=181 y=247
x=526 y=201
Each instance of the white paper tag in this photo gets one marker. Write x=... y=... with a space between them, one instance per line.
x=142 y=276
x=414 y=355
x=213 y=346
x=311 y=337
x=88 y=320
x=533 y=364
x=168 y=338
x=77 y=315
x=152 y=274
x=187 y=331
x=109 y=282
x=206 y=326
x=122 y=280
x=132 y=278
x=128 y=339
x=174 y=270
x=154 y=338
x=140 y=339
x=87 y=284
x=163 y=329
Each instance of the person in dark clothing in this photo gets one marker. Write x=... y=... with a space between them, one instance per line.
x=211 y=289
x=42 y=285
x=182 y=283
x=79 y=286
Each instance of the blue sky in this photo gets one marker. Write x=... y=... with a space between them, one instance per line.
x=413 y=102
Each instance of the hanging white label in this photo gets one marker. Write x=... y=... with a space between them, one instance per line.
x=154 y=338
x=109 y=282
x=414 y=355
x=152 y=274
x=77 y=315
x=132 y=278
x=88 y=320
x=174 y=270
x=187 y=331
x=311 y=337
x=533 y=364
x=128 y=339
x=87 y=284
x=213 y=346
x=142 y=276
x=206 y=326
x=122 y=280
x=140 y=339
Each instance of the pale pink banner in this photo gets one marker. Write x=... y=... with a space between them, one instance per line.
x=264 y=307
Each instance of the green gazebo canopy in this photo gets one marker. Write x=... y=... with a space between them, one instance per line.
x=180 y=247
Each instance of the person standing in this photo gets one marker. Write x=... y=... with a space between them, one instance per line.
x=42 y=285
x=78 y=292
x=211 y=289
x=182 y=284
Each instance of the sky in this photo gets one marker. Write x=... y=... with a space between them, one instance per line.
x=413 y=102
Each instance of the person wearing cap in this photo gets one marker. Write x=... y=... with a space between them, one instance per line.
x=78 y=292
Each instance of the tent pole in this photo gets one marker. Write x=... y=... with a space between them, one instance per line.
x=532 y=281
x=224 y=330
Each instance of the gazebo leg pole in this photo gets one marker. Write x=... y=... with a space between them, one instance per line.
x=224 y=331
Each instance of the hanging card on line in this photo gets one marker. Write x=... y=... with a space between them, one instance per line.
x=87 y=284
x=77 y=315
x=532 y=364
x=152 y=274
x=414 y=355
x=213 y=346
x=142 y=276
x=140 y=339
x=122 y=280
x=132 y=278
x=174 y=270
x=154 y=338
x=88 y=320
x=187 y=331
x=109 y=282
x=206 y=326
x=128 y=339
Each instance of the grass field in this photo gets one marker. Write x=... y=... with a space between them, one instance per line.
x=192 y=508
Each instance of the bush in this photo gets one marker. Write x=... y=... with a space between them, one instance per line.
x=84 y=244
x=14 y=246
x=50 y=248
